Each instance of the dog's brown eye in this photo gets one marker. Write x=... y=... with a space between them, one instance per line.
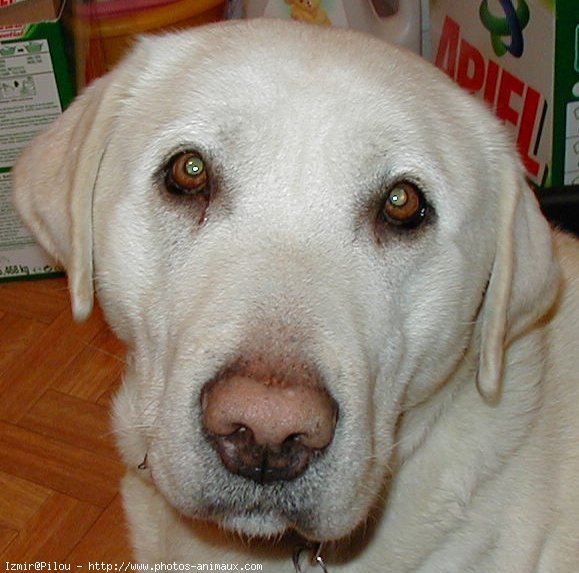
x=404 y=206
x=187 y=174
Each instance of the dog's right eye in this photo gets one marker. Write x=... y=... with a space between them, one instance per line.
x=187 y=174
x=404 y=206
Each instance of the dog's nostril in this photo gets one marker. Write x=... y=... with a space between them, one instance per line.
x=241 y=455
x=293 y=438
x=267 y=432
x=238 y=429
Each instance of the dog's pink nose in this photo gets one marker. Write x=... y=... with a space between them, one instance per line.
x=264 y=431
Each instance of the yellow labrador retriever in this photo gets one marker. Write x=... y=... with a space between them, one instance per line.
x=353 y=337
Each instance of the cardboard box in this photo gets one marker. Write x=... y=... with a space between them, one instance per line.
x=522 y=58
x=36 y=84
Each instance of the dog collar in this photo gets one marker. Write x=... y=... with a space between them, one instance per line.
x=313 y=555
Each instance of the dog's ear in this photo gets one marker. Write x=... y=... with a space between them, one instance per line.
x=53 y=183
x=524 y=279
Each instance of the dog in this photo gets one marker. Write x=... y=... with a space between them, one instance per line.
x=352 y=334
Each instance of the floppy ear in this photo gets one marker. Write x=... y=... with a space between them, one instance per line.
x=524 y=279
x=53 y=183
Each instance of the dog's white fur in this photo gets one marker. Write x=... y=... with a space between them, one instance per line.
x=451 y=348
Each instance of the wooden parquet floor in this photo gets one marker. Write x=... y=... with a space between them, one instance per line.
x=59 y=470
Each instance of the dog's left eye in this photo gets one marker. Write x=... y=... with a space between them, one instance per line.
x=404 y=206
x=186 y=174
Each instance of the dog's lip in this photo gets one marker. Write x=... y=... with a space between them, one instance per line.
x=225 y=511
x=262 y=518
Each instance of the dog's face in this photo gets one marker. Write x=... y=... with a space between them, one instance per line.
x=278 y=208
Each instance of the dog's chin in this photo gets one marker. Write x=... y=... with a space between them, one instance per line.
x=272 y=527
x=255 y=525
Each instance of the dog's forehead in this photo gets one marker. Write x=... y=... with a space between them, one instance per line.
x=261 y=68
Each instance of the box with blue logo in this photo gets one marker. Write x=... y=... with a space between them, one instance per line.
x=522 y=58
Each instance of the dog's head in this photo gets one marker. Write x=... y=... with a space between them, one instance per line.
x=300 y=233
